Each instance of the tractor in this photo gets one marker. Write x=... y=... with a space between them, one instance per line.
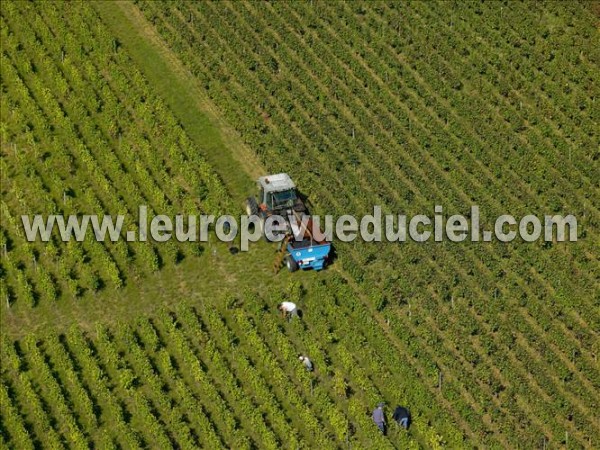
x=300 y=247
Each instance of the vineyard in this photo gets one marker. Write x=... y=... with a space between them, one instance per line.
x=178 y=106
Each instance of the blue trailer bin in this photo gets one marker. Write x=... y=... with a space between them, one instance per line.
x=307 y=254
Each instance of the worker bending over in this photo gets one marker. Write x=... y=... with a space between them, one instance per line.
x=307 y=362
x=401 y=416
x=288 y=309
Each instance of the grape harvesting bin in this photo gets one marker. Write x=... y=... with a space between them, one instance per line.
x=306 y=254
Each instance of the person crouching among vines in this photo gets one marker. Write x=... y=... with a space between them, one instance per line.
x=307 y=363
x=402 y=416
x=288 y=310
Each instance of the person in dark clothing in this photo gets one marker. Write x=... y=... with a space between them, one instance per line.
x=401 y=416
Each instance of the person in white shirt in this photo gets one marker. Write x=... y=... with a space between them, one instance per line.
x=307 y=362
x=288 y=309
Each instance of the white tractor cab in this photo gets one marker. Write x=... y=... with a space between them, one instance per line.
x=277 y=194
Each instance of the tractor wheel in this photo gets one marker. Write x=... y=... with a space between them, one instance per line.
x=251 y=206
x=291 y=264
